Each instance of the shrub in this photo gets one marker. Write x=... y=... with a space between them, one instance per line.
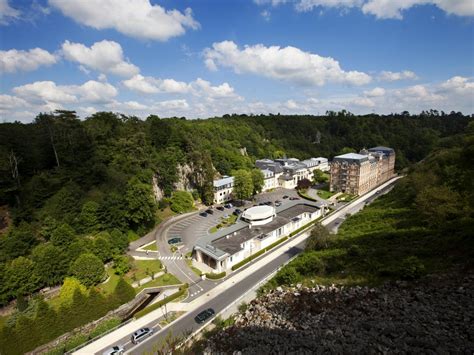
x=182 y=291
x=181 y=201
x=122 y=264
x=214 y=276
x=287 y=276
x=309 y=264
x=411 y=268
x=318 y=239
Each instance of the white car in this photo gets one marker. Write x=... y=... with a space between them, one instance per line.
x=115 y=350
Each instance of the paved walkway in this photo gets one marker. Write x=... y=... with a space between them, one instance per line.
x=147 y=279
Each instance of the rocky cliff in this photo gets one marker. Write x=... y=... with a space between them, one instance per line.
x=430 y=316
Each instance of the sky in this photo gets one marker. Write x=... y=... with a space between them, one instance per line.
x=205 y=58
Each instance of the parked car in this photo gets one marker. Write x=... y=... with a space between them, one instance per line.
x=268 y=203
x=115 y=350
x=285 y=197
x=261 y=204
x=220 y=208
x=277 y=201
x=174 y=240
x=209 y=211
x=237 y=211
x=294 y=198
x=203 y=214
x=277 y=204
x=228 y=205
x=141 y=334
x=204 y=315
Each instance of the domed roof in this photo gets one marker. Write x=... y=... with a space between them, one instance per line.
x=258 y=213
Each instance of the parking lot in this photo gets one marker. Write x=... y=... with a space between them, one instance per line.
x=190 y=229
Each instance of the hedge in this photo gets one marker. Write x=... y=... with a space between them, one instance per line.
x=182 y=290
x=214 y=276
x=302 y=194
x=28 y=332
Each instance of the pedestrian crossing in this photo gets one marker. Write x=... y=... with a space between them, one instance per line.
x=195 y=293
x=170 y=258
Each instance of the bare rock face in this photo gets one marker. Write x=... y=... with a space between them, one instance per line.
x=430 y=316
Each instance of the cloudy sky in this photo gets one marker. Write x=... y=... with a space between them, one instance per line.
x=201 y=58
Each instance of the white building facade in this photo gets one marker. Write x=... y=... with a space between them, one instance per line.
x=223 y=189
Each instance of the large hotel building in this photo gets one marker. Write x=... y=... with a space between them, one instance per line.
x=357 y=174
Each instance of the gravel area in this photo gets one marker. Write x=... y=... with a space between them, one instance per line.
x=431 y=316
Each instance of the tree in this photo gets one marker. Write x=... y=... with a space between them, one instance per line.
x=51 y=264
x=319 y=177
x=243 y=184
x=123 y=292
x=122 y=264
x=303 y=184
x=140 y=204
x=319 y=238
x=69 y=287
x=63 y=236
x=21 y=277
x=101 y=247
x=88 y=269
x=89 y=218
x=182 y=201
x=257 y=180
x=119 y=241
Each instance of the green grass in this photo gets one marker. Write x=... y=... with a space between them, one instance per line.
x=163 y=280
x=151 y=247
x=346 y=197
x=224 y=223
x=385 y=241
x=2 y=320
x=192 y=267
x=109 y=287
x=325 y=194
x=164 y=214
x=139 y=270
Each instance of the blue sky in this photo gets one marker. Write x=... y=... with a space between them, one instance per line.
x=200 y=58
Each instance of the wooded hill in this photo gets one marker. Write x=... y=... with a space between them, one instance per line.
x=79 y=186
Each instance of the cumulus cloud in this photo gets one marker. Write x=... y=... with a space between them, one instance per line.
x=381 y=9
x=288 y=64
x=394 y=76
x=13 y=60
x=138 y=18
x=150 y=85
x=47 y=92
x=104 y=56
x=7 y=13
x=375 y=92
x=199 y=87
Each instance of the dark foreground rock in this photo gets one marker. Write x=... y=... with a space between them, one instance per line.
x=434 y=316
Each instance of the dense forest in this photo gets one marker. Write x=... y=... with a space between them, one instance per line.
x=76 y=189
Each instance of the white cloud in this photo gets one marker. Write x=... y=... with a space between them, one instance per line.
x=13 y=60
x=137 y=18
x=382 y=9
x=199 y=87
x=104 y=56
x=308 y=5
x=459 y=85
x=150 y=85
x=288 y=64
x=7 y=13
x=266 y=15
x=394 y=76
x=393 y=9
x=375 y=92
x=47 y=92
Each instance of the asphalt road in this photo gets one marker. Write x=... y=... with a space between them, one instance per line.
x=186 y=323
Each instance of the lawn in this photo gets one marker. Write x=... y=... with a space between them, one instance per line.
x=163 y=280
x=164 y=214
x=151 y=247
x=109 y=287
x=142 y=269
x=325 y=193
x=192 y=267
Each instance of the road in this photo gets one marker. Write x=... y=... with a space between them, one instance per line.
x=186 y=323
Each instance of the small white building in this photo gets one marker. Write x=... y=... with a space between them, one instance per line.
x=258 y=227
x=223 y=189
x=269 y=180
